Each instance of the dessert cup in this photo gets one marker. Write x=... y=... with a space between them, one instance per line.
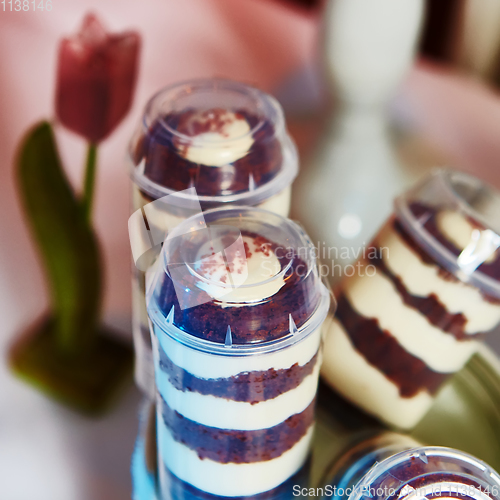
x=200 y=145
x=351 y=465
x=236 y=307
x=426 y=290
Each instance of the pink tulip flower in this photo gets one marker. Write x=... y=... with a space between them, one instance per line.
x=96 y=77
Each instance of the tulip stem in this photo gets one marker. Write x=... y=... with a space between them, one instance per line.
x=89 y=182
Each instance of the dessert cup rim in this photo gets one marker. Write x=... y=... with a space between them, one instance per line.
x=314 y=322
x=261 y=99
x=282 y=180
x=295 y=232
x=483 y=469
x=447 y=178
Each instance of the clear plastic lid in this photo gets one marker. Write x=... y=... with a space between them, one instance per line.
x=427 y=473
x=455 y=219
x=350 y=467
x=226 y=139
x=237 y=281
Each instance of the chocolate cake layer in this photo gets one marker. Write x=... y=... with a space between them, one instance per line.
x=165 y=166
x=263 y=321
x=430 y=306
x=251 y=387
x=179 y=489
x=235 y=446
x=383 y=351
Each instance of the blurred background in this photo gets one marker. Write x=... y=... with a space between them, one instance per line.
x=443 y=108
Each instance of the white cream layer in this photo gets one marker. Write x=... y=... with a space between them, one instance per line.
x=204 y=365
x=423 y=280
x=227 y=414
x=347 y=371
x=375 y=296
x=165 y=220
x=222 y=147
x=279 y=203
x=458 y=230
x=234 y=277
x=162 y=219
x=230 y=479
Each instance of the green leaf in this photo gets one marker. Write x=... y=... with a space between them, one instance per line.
x=67 y=244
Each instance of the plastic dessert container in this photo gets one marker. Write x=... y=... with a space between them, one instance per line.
x=202 y=144
x=236 y=308
x=465 y=416
x=425 y=292
x=428 y=473
x=351 y=465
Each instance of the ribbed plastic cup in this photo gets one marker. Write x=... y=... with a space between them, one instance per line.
x=357 y=458
x=201 y=144
x=426 y=290
x=236 y=308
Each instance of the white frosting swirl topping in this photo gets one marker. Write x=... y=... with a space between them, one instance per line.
x=242 y=273
x=217 y=137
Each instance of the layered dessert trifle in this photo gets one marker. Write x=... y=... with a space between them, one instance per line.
x=427 y=473
x=236 y=308
x=427 y=290
x=200 y=145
